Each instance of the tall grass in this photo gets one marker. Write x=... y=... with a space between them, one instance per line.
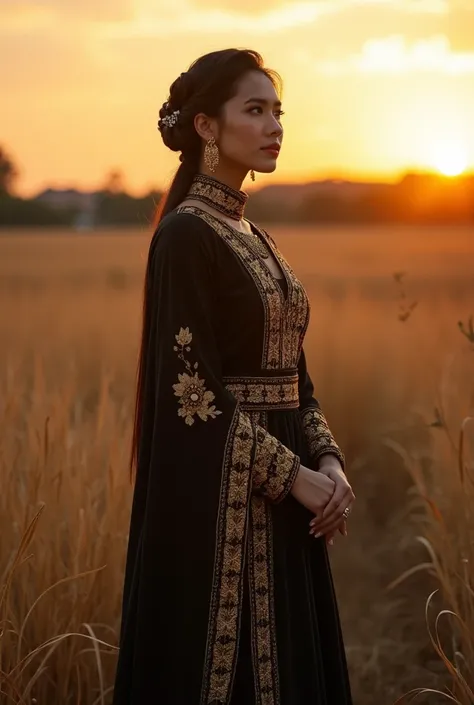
x=64 y=509
x=444 y=481
x=69 y=327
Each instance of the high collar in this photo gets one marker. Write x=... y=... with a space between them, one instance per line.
x=219 y=196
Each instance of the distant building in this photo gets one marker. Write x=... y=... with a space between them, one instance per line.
x=84 y=203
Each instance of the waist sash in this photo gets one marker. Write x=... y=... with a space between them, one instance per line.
x=265 y=393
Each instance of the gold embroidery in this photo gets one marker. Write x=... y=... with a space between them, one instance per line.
x=286 y=321
x=194 y=397
x=226 y=598
x=262 y=599
x=318 y=435
x=264 y=392
x=249 y=454
x=275 y=467
x=219 y=195
x=250 y=451
x=296 y=314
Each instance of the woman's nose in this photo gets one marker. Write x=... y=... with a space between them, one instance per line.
x=276 y=128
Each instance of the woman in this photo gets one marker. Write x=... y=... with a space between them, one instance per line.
x=228 y=595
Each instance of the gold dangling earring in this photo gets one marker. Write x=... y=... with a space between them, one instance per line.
x=211 y=155
x=252 y=175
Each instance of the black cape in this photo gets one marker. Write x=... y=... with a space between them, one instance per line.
x=227 y=599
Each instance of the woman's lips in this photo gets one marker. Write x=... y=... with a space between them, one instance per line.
x=273 y=151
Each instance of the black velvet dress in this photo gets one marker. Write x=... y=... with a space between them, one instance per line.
x=227 y=599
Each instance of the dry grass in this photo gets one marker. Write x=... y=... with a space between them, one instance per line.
x=384 y=371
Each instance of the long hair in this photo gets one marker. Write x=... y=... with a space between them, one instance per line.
x=205 y=87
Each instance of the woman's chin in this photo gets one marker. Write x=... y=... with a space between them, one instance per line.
x=267 y=168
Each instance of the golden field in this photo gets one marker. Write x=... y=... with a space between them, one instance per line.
x=395 y=379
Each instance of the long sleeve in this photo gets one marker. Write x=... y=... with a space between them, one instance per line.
x=319 y=438
x=193 y=404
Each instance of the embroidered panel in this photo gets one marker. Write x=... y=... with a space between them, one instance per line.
x=194 y=398
x=262 y=599
x=318 y=434
x=231 y=539
x=297 y=311
x=264 y=392
x=286 y=320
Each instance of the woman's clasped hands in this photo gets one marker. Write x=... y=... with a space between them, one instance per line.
x=327 y=494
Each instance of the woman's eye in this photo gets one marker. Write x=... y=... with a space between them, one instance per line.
x=279 y=114
x=257 y=107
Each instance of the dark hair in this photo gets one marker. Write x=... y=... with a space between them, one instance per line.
x=205 y=87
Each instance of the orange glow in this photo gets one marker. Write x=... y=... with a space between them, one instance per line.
x=371 y=89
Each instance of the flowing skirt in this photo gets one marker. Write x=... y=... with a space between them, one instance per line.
x=158 y=662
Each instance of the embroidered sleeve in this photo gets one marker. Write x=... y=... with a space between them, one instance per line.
x=318 y=435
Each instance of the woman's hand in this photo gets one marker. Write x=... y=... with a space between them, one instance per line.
x=313 y=489
x=332 y=517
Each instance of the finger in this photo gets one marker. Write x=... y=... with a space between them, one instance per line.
x=343 y=528
x=337 y=511
x=343 y=493
x=330 y=530
x=336 y=518
x=338 y=497
x=330 y=536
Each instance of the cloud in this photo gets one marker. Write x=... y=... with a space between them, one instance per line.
x=218 y=21
x=22 y=12
x=436 y=7
x=253 y=7
x=394 y=55
x=244 y=7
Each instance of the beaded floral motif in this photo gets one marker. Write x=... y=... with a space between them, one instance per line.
x=194 y=398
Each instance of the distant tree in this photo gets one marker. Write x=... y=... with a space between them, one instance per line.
x=8 y=172
x=114 y=182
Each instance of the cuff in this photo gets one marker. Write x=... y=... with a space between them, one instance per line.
x=275 y=467
x=318 y=436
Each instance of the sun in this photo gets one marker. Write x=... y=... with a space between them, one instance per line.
x=450 y=159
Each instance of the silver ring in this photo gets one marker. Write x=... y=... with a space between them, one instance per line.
x=346 y=512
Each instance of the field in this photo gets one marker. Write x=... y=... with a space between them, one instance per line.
x=393 y=371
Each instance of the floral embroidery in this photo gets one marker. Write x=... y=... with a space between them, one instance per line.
x=251 y=457
x=194 y=397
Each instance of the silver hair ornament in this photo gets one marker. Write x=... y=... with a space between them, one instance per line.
x=170 y=120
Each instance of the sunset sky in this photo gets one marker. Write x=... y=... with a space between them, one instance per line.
x=371 y=87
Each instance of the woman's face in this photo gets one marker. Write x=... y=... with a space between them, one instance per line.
x=250 y=132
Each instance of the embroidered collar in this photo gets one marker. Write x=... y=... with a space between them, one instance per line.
x=223 y=198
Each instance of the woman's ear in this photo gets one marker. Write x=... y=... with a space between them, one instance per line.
x=205 y=127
